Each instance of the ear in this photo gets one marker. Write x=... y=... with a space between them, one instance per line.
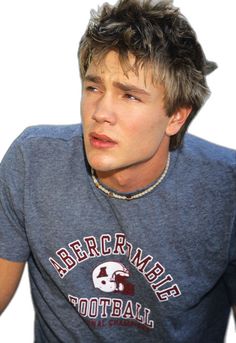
x=177 y=120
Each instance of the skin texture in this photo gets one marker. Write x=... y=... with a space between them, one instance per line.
x=10 y=275
x=128 y=110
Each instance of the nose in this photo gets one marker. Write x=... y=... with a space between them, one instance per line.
x=104 y=110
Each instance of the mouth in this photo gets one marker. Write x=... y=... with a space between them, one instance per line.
x=101 y=141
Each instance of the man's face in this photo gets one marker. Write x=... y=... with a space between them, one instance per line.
x=123 y=118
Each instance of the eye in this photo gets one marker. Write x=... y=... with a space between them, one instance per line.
x=91 y=89
x=131 y=97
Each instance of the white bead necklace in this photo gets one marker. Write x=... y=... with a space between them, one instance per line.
x=136 y=195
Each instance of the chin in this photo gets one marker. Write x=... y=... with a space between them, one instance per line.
x=101 y=164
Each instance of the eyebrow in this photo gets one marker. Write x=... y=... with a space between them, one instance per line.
x=93 y=78
x=126 y=87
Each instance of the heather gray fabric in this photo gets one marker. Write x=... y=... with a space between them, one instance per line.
x=158 y=269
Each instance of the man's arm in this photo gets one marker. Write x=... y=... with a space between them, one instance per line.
x=10 y=275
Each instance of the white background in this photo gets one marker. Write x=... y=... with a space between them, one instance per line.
x=39 y=84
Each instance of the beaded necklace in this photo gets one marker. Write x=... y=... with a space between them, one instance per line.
x=115 y=195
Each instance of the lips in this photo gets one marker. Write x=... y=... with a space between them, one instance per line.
x=101 y=141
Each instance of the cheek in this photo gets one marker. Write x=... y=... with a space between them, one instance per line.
x=150 y=129
x=82 y=110
x=85 y=107
x=145 y=139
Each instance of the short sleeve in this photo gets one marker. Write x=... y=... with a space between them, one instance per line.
x=13 y=240
x=230 y=274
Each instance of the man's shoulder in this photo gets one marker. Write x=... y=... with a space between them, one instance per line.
x=200 y=149
x=56 y=132
x=39 y=146
x=207 y=167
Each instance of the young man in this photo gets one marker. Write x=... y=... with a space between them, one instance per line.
x=127 y=224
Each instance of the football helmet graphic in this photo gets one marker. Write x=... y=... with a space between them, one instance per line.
x=112 y=277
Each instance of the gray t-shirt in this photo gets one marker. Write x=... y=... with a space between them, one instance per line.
x=161 y=268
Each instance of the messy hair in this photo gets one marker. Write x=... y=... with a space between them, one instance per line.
x=157 y=35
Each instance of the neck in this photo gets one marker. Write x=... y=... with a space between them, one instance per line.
x=135 y=177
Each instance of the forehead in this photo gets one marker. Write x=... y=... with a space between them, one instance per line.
x=111 y=66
